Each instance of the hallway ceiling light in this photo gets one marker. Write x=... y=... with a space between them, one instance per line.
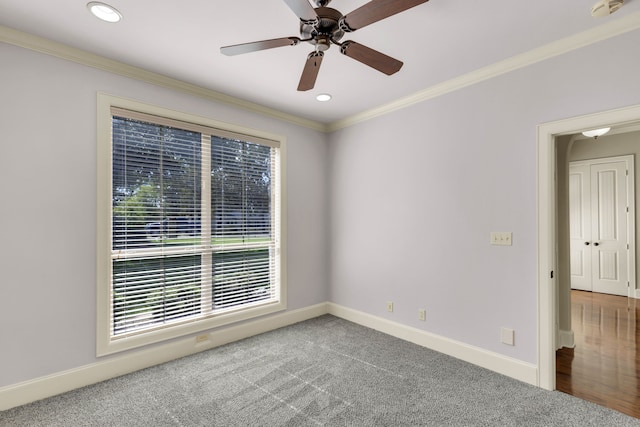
x=104 y=11
x=595 y=133
x=323 y=97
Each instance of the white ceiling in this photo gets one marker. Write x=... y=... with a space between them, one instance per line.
x=437 y=41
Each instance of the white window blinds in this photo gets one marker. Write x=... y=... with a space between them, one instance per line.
x=195 y=222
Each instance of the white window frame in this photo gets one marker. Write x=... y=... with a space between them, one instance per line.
x=105 y=342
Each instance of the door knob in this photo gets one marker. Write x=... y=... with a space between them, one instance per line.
x=586 y=243
x=596 y=244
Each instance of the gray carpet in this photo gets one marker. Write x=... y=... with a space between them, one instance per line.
x=322 y=372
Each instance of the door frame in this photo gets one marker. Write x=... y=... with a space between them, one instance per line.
x=631 y=214
x=547 y=225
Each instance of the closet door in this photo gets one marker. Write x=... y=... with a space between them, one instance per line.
x=599 y=226
x=609 y=259
x=580 y=226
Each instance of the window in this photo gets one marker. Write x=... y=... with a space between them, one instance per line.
x=189 y=225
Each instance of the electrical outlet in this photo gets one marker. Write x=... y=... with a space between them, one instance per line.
x=422 y=314
x=389 y=306
x=507 y=336
x=202 y=338
x=502 y=238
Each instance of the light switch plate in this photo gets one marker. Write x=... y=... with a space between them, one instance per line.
x=502 y=238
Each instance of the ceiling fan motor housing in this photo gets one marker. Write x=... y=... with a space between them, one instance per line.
x=324 y=30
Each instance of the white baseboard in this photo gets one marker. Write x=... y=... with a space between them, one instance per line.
x=525 y=372
x=114 y=366
x=51 y=385
x=566 y=339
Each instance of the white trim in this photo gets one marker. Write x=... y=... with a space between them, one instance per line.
x=631 y=225
x=547 y=222
x=566 y=339
x=611 y=28
x=605 y=31
x=546 y=260
x=628 y=159
x=51 y=385
x=501 y=364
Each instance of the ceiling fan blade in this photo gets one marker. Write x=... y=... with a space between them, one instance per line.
x=260 y=45
x=302 y=9
x=310 y=72
x=374 y=59
x=377 y=10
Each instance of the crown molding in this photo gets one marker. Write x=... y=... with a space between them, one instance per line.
x=49 y=47
x=602 y=32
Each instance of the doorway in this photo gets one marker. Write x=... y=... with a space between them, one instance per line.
x=548 y=265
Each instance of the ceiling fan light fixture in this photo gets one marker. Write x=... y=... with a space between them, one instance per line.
x=324 y=97
x=104 y=11
x=595 y=133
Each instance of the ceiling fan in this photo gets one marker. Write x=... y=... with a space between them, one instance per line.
x=322 y=26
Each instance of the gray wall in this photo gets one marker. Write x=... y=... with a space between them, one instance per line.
x=416 y=193
x=563 y=303
x=398 y=208
x=48 y=215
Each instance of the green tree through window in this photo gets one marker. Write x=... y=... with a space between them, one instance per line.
x=179 y=255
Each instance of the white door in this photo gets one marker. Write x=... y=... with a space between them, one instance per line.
x=599 y=226
x=580 y=226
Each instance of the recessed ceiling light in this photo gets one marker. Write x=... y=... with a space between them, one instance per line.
x=104 y=11
x=323 y=97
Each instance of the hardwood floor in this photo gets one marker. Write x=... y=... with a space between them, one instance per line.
x=604 y=366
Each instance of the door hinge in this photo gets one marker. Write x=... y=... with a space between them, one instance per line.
x=552 y=274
